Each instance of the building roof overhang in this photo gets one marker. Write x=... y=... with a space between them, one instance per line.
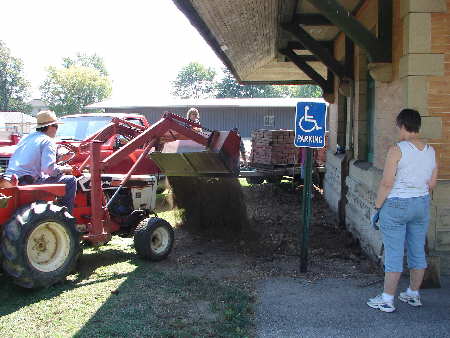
x=286 y=42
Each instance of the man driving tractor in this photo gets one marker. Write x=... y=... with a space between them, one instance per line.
x=34 y=160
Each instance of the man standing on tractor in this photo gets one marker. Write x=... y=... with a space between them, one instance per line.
x=34 y=160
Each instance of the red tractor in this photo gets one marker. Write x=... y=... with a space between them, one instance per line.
x=41 y=241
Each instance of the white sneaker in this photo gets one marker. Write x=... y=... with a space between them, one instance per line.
x=411 y=300
x=379 y=303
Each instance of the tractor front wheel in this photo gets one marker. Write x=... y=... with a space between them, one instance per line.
x=153 y=239
x=40 y=245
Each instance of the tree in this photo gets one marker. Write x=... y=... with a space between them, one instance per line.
x=306 y=91
x=194 y=81
x=14 y=88
x=229 y=87
x=68 y=90
x=85 y=60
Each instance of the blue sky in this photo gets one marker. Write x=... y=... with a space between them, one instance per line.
x=144 y=42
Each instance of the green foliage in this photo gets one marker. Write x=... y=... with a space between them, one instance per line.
x=14 y=89
x=85 y=60
x=198 y=81
x=194 y=81
x=229 y=87
x=306 y=91
x=68 y=90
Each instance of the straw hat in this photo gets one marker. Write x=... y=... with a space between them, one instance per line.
x=46 y=118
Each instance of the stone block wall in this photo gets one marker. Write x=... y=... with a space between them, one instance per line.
x=332 y=182
x=362 y=184
x=421 y=80
x=439 y=231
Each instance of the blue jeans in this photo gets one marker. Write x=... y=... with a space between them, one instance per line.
x=71 y=188
x=405 y=220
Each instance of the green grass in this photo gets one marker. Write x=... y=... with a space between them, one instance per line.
x=114 y=293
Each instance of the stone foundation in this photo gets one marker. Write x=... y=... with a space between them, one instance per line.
x=332 y=181
x=362 y=183
x=439 y=231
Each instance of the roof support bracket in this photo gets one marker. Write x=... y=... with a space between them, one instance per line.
x=325 y=84
x=379 y=49
x=312 y=20
x=315 y=47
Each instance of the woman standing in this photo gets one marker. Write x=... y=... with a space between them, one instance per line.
x=410 y=173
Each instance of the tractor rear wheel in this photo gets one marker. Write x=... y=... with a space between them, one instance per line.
x=153 y=239
x=40 y=245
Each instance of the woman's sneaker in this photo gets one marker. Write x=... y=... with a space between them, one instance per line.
x=379 y=303
x=411 y=300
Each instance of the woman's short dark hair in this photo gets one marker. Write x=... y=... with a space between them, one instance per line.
x=410 y=120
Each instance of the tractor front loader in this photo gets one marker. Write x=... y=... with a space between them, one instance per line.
x=41 y=241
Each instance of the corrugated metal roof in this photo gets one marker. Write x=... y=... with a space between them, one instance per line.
x=227 y=102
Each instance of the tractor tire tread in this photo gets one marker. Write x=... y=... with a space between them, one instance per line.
x=142 y=238
x=13 y=245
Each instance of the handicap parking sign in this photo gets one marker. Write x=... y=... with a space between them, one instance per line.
x=310 y=119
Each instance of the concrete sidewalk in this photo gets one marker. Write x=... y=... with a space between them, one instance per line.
x=337 y=308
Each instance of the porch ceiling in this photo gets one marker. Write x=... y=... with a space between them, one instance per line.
x=247 y=35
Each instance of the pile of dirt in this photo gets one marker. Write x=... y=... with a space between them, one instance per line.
x=263 y=220
x=275 y=213
x=213 y=207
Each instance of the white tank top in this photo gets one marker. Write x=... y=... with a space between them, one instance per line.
x=414 y=170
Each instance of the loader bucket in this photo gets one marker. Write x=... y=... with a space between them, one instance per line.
x=188 y=158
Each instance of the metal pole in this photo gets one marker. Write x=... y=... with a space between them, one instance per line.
x=306 y=208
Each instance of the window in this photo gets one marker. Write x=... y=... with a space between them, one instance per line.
x=269 y=121
x=370 y=117
x=80 y=128
x=341 y=137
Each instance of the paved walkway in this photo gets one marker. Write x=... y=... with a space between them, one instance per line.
x=337 y=308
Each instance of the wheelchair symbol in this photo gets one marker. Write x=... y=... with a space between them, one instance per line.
x=309 y=119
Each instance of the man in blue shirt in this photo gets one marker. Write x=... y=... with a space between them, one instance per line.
x=34 y=161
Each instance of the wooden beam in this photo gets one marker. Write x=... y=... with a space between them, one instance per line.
x=298 y=45
x=307 y=69
x=323 y=54
x=355 y=30
x=308 y=58
x=312 y=20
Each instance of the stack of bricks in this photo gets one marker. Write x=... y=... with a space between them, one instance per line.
x=273 y=147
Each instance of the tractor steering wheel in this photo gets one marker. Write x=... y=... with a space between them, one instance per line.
x=65 y=152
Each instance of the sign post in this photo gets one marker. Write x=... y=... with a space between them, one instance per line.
x=310 y=119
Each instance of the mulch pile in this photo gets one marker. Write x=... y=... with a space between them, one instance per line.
x=263 y=219
x=275 y=214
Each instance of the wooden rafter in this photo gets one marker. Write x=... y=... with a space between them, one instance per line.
x=379 y=49
x=314 y=46
x=308 y=58
x=297 y=45
x=312 y=20
x=325 y=84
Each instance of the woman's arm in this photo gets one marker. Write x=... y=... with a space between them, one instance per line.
x=433 y=180
x=390 y=168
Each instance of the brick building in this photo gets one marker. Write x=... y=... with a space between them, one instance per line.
x=372 y=58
